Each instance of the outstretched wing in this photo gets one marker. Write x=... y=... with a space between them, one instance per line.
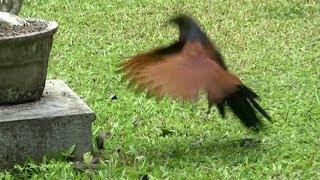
x=181 y=74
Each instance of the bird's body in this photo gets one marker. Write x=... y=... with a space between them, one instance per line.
x=191 y=65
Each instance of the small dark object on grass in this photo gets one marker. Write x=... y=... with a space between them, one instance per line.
x=166 y=132
x=145 y=177
x=191 y=65
x=100 y=140
x=113 y=97
x=32 y=26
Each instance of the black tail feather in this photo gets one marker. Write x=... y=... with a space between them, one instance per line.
x=248 y=92
x=259 y=108
x=244 y=106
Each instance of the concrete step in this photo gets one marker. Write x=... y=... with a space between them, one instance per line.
x=59 y=120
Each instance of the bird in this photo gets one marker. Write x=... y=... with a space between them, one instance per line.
x=190 y=65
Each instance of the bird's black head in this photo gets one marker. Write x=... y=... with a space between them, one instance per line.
x=189 y=28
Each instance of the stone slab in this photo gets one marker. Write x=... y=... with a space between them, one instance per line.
x=59 y=120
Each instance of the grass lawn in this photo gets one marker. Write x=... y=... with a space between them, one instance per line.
x=274 y=46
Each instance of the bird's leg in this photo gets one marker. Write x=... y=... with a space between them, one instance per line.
x=210 y=104
x=208 y=111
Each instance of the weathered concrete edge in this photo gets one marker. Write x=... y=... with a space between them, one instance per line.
x=75 y=114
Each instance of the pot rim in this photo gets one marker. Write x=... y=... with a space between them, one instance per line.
x=52 y=27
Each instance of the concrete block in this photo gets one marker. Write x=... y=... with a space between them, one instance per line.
x=59 y=120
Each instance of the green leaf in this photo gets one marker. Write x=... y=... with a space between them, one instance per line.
x=70 y=151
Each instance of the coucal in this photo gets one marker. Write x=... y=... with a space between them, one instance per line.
x=188 y=66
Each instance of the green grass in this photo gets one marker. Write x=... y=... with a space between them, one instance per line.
x=272 y=45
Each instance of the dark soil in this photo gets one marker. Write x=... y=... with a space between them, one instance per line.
x=32 y=26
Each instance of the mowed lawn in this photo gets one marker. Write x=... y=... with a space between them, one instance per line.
x=274 y=47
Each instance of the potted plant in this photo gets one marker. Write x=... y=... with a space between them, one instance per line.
x=25 y=47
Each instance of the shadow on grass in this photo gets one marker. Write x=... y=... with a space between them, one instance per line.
x=228 y=152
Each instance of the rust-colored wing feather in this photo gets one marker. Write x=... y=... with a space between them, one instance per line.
x=180 y=75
